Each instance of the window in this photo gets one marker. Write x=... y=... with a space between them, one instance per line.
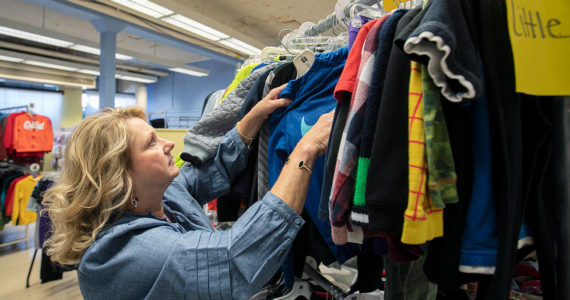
x=46 y=103
x=90 y=101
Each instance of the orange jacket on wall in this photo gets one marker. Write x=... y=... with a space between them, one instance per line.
x=32 y=133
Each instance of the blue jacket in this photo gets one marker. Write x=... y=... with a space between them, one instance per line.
x=145 y=257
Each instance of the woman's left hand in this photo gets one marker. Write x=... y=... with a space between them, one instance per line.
x=270 y=103
x=249 y=126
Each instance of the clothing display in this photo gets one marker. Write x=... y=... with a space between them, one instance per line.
x=422 y=220
x=240 y=76
x=9 y=176
x=441 y=179
x=276 y=78
x=21 y=194
x=203 y=138
x=26 y=135
x=49 y=271
x=343 y=180
x=419 y=154
x=209 y=102
x=312 y=97
x=385 y=204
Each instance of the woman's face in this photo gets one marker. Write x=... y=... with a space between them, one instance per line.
x=151 y=163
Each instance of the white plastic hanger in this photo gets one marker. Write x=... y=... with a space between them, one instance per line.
x=358 y=10
x=303 y=62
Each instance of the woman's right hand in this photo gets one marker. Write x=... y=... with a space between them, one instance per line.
x=293 y=182
x=316 y=140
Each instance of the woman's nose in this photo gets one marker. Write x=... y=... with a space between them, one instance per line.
x=168 y=145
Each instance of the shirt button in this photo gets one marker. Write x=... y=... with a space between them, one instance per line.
x=297 y=221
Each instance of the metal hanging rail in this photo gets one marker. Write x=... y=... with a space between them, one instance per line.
x=25 y=107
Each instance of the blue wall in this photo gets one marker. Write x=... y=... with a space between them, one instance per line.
x=180 y=92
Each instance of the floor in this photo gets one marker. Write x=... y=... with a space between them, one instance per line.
x=15 y=261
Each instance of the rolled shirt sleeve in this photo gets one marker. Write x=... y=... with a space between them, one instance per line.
x=235 y=264
x=214 y=176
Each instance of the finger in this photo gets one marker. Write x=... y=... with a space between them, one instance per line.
x=281 y=102
x=276 y=91
x=281 y=87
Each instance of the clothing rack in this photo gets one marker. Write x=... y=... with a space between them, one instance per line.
x=27 y=168
x=25 y=239
x=18 y=108
x=181 y=119
x=328 y=23
x=323 y=25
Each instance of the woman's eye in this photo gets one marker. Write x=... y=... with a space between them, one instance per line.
x=152 y=141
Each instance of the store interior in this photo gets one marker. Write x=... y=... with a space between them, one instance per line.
x=497 y=178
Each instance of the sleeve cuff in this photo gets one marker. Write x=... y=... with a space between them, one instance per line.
x=284 y=210
x=234 y=137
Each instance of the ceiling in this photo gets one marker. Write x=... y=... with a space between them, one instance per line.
x=154 y=45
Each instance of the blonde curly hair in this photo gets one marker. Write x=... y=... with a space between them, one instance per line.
x=94 y=186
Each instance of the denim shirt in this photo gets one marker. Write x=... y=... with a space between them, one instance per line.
x=142 y=256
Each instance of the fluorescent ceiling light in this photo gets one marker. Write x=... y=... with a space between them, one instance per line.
x=9 y=58
x=195 y=27
x=48 y=65
x=33 y=37
x=96 y=51
x=86 y=49
x=136 y=79
x=188 y=72
x=240 y=46
x=146 y=7
x=123 y=57
x=89 y=72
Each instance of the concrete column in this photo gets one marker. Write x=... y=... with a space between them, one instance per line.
x=108 y=29
x=141 y=96
x=71 y=112
x=107 y=83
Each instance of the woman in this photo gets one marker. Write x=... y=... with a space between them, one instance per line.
x=133 y=221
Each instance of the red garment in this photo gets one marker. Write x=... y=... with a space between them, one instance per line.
x=9 y=200
x=9 y=132
x=32 y=133
x=347 y=79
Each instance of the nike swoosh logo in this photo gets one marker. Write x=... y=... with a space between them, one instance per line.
x=304 y=127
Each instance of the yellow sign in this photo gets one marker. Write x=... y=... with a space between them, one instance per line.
x=389 y=5
x=540 y=38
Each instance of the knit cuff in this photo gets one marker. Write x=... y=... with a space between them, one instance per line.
x=359 y=216
x=194 y=155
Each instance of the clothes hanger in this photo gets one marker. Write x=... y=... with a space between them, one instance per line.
x=271 y=54
x=31 y=106
x=360 y=10
x=34 y=170
x=303 y=62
